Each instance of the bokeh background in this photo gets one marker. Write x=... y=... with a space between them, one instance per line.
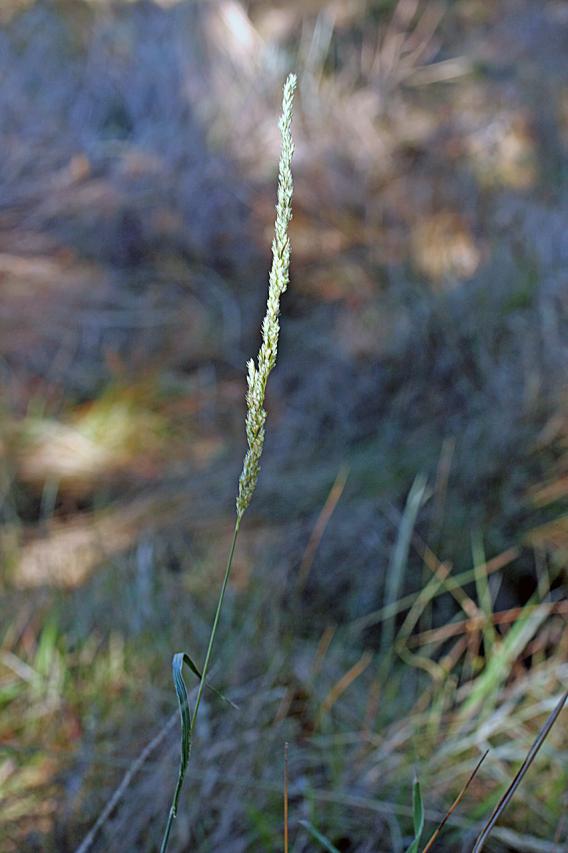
x=397 y=603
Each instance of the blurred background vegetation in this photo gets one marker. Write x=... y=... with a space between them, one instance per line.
x=397 y=602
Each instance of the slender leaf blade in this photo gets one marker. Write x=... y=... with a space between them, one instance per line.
x=418 y=815
x=324 y=842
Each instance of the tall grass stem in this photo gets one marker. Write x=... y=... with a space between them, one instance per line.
x=257 y=378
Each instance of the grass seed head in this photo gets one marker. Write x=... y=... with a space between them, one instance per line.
x=278 y=282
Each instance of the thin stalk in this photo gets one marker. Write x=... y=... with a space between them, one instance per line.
x=202 y=682
x=215 y=623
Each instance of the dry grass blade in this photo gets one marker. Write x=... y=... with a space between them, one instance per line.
x=451 y=584
x=343 y=683
x=510 y=792
x=125 y=782
x=468 y=626
x=454 y=805
x=325 y=515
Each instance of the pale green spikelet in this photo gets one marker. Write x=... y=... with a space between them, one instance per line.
x=278 y=282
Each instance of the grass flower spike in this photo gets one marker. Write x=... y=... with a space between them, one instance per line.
x=255 y=420
x=278 y=282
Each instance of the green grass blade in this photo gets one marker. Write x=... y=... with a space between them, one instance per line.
x=418 y=816
x=484 y=596
x=397 y=566
x=488 y=684
x=324 y=842
x=178 y=661
x=185 y=714
x=186 y=732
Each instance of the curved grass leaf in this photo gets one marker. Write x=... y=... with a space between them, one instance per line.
x=186 y=722
x=186 y=731
x=179 y=659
